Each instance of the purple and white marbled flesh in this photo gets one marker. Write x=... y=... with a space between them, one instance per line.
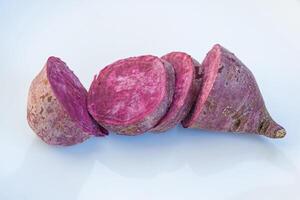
x=131 y=95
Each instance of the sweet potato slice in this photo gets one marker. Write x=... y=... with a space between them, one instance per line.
x=187 y=79
x=131 y=95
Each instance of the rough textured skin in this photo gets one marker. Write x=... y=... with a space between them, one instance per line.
x=229 y=99
x=186 y=85
x=131 y=95
x=49 y=118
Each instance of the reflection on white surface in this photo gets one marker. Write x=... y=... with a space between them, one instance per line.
x=179 y=164
x=61 y=173
x=48 y=173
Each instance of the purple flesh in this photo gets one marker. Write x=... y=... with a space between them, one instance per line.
x=131 y=95
x=186 y=87
x=72 y=95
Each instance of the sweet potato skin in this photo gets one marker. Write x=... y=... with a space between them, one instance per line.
x=150 y=119
x=47 y=118
x=186 y=87
x=234 y=102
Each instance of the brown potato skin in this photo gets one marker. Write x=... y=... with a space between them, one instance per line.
x=47 y=118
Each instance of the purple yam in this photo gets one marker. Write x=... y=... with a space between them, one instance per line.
x=229 y=98
x=187 y=81
x=131 y=95
x=57 y=106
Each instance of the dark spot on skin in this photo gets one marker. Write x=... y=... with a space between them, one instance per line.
x=241 y=113
x=210 y=106
x=204 y=112
x=239 y=71
x=263 y=126
x=44 y=96
x=236 y=124
x=42 y=110
x=49 y=98
x=226 y=83
x=260 y=126
x=220 y=69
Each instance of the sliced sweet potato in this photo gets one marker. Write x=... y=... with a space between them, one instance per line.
x=131 y=95
x=187 y=79
x=229 y=98
x=57 y=106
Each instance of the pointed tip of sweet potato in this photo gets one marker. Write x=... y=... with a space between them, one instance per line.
x=280 y=133
x=274 y=130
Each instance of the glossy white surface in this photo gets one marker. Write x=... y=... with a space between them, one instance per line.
x=179 y=164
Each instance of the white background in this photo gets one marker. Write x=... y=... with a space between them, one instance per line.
x=179 y=164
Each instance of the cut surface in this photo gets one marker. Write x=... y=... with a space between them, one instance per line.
x=185 y=73
x=72 y=95
x=210 y=70
x=130 y=92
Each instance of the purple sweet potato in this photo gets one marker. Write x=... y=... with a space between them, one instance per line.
x=57 y=106
x=229 y=99
x=131 y=95
x=187 y=78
